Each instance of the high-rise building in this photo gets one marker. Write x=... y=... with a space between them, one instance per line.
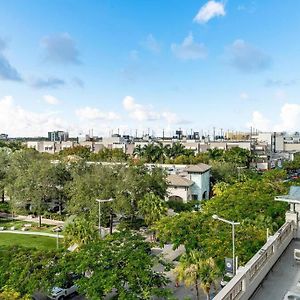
x=58 y=136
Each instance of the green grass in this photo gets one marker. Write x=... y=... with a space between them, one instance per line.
x=27 y=240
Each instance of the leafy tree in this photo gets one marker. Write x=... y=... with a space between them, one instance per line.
x=89 y=184
x=251 y=203
x=79 y=231
x=107 y=154
x=26 y=271
x=9 y=294
x=4 y=165
x=152 y=208
x=34 y=184
x=134 y=182
x=215 y=154
x=238 y=156
x=294 y=165
x=120 y=265
x=81 y=151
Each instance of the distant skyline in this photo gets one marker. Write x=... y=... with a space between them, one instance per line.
x=78 y=65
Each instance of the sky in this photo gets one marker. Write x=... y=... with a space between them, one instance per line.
x=127 y=65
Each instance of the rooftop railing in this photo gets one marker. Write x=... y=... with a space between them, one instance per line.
x=248 y=278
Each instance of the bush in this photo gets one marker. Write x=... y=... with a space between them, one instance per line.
x=4 y=207
x=178 y=206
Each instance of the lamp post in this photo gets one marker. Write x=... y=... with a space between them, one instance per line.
x=102 y=201
x=233 y=238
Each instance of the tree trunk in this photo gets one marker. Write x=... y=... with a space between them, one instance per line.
x=40 y=221
x=111 y=222
x=3 y=196
x=197 y=290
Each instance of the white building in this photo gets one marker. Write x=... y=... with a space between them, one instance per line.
x=188 y=182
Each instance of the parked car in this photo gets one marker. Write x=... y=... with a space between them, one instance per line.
x=58 y=293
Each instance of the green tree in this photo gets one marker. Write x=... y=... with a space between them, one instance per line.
x=79 y=231
x=194 y=270
x=120 y=265
x=33 y=186
x=4 y=166
x=80 y=151
x=26 y=271
x=152 y=208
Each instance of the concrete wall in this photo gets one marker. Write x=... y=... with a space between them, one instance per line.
x=249 y=277
x=202 y=184
x=183 y=192
x=291 y=147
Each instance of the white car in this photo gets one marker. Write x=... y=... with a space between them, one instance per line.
x=58 y=293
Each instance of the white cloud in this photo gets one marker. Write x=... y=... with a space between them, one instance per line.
x=210 y=10
x=25 y=122
x=94 y=114
x=151 y=44
x=289 y=117
x=143 y=113
x=51 y=100
x=244 y=96
x=189 y=49
x=139 y=112
x=259 y=122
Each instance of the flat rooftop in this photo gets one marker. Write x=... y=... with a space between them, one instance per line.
x=284 y=277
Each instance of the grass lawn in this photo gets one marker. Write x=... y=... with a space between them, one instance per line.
x=27 y=240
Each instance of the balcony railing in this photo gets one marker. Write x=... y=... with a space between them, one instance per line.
x=247 y=279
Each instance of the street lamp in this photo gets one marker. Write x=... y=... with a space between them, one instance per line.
x=102 y=201
x=216 y=217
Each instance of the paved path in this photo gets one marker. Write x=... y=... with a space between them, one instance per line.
x=32 y=220
x=32 y=233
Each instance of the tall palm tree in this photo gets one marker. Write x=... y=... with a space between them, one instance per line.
x=195 y=270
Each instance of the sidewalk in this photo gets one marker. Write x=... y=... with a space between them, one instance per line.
x=33 y=233
x=32 y=220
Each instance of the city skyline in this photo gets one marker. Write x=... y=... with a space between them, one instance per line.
x=66 y=65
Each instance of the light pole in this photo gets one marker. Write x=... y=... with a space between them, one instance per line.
x=233 y=239
x=102 y=201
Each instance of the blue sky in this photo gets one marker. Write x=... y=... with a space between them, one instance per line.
x=78 y=65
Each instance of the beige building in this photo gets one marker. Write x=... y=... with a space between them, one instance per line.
x=179 y=188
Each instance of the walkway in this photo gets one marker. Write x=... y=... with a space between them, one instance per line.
x=283 y=277
x=32 y=233
x=31 y=219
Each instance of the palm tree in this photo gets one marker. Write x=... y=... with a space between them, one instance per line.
x=138 y=151
x=195 y=270
x=209 y=273
x=79 y=231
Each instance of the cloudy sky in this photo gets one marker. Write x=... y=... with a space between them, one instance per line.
x=77 y=65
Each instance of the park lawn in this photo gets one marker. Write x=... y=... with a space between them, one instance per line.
x=27 y=240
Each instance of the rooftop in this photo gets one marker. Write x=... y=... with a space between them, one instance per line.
x=199 y=168
x=283 y=278
x=177 y=180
